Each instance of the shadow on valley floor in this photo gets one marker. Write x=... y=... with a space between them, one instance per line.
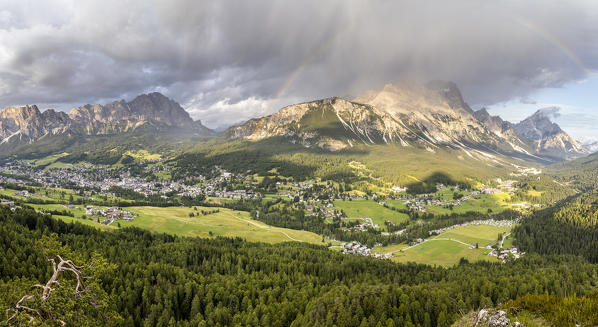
x=428 y=185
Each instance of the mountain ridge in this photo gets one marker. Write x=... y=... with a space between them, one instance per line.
x=29 y=124
x=428 y=116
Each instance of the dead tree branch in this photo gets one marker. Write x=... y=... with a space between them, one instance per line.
x=47 y=289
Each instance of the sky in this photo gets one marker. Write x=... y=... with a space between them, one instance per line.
x=574 y=107
x=227 y=61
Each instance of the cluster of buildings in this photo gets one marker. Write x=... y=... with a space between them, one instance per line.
x=355 y=248
x=111 y=214
x=358 y=249
x=421 y=201
x=502 y=187
x=368 y=223
x=103 y=178
x=9 y=203
x=503 y=254
x=223 y=186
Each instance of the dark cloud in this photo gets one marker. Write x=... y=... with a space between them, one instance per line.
x=527 y=100
x=550 y=112
x=229 y=60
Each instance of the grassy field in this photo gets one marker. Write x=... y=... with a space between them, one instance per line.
x=437 y=251
x=142 y=155
x=49 y=159
x=389 y=248
x=11 y=193
x=370 y=209
x=442 y=253
x=508 y=242
x=471 y=234
x=396 y=203
x=88 y=222
x=176 y=220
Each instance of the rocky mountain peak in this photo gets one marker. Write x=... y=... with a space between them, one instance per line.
x=28 y=123
x=548 y=137
x=154 y=109
x=451 y=93
x=538 y=126
x=482 y=113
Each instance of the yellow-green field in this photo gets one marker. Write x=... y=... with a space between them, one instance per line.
x=57 y=195
x=88 y=222
x=49 y=159
x=445 y=250
x=176 y=220
x=472 y=234
x=442 y=253
x=143 y=155
x=390 y=248
x=230 y=223
x=370 y=209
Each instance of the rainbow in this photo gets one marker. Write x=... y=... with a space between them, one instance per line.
x=259 y=125
x=555 y=42
x=520 y=20
x=315 y=53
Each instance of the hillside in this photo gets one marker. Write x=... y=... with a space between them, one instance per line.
x=380 y=163
x=581 y=173
x=402 y=134
x=140 y=278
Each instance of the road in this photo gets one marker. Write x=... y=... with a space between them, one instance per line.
x=263 y=227
x=432 y=239
x=503 y=239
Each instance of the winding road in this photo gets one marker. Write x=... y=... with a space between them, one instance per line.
x=262 y=226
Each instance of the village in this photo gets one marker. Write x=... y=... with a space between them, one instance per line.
x=315 y=198
x=101 y=179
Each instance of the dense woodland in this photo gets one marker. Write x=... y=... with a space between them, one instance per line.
x=569 y=228
x=165 y=280
x=542 y=189
x=267 y=157
x=581 y=173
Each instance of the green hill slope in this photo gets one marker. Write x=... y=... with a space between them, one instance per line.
x=378 y=163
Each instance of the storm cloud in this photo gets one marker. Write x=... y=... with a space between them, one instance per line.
x=226 y=61
x=550 y=112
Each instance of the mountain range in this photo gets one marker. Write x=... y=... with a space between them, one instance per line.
x=428 y=117
x=591 y=145
x=154 y=110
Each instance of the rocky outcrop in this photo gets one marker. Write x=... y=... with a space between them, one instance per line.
x=548 y=138
x=154 y=110
x=27 y=123
x=496 y=318
x=504 y=130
